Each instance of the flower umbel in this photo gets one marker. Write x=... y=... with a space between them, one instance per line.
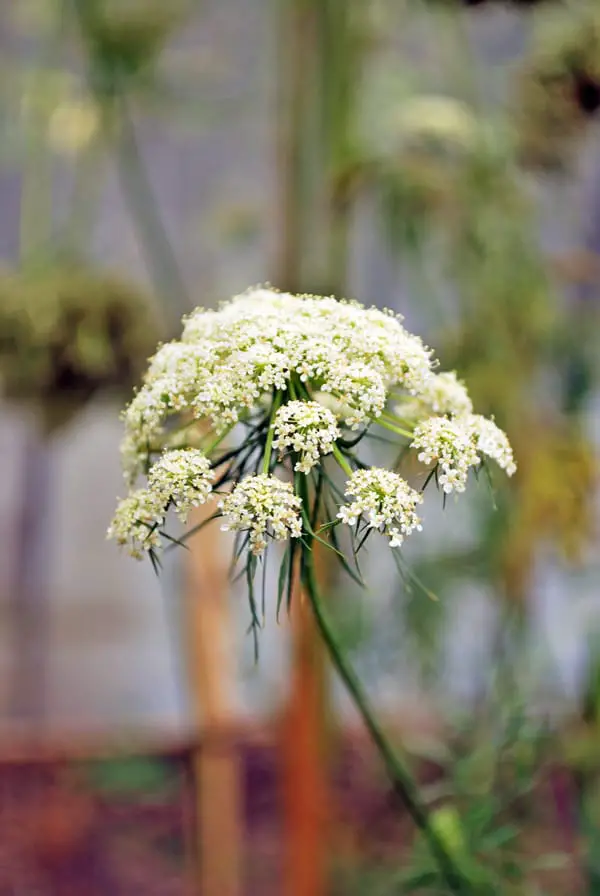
x=385 y=501
x=449 y=444
x=306 y=428
x=493 y=442
x=443 y=393
x=183 y=477
x=264 y=507
x=228 y=360
x=294 y=378
x=136 y=522
x=456 y=444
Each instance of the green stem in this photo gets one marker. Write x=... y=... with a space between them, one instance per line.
x=216 y=442
x=294 y=47
x=154 y=239
x=342 y=460
x=271 y=434
x=399 y=396
x=462 y=68
x=136 y=186
x=36 y=188
x=85 y=196
x=404 y=786
x=382 y=421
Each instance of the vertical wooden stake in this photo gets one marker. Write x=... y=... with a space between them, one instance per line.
x=219 y=809
x=305 y=784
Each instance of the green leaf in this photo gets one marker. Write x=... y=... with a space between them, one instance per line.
x=255 y=623
x=129 y=776
x=294 y=547
x=355 y=576
x=500 y=837
x=180 y=542
x=284 y=569
x=418 y=881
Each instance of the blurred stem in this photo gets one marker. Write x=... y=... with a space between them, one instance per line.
x=87 y=185
x=340 y=58
x=463 y=66
x=35 y=227
x=339 y=239
x=36 y=187
x=317 y=105
x=136 y=185
x=294 y=85
x=139 y=194
x=402 y=781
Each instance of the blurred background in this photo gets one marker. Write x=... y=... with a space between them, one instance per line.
x=437 y=157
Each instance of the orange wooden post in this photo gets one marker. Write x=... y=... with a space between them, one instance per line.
x=304 y=760
x=219 y=809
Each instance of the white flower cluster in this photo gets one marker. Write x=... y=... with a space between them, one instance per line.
x=227 y=360
x=136 y=522
x=181 y=477
x=448 y=443
x=184 y=477
x=456 y=444
x=352 y=380
x=446 y=394
x=492 y=442
x=264 y=506
x=308 y=429
x=443 y=393
x=386 y=501
x=314 y=365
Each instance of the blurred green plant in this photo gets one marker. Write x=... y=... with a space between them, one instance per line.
x=485 y=800
x=125 y=38
x=68 y=332
x=455 y=198
x=558 y=87
x=121 y=44
x=132 y=777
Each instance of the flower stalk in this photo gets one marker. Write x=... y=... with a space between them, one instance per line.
x=271 y=434
x=402 y=781
x=342 y=461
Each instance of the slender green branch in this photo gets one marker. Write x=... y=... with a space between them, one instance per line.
x=136 y=185
x=271 y=434
x=36 y=187
x=342 y=460
x=388 y=424
x=402 y=781
x=88 y=182
x=397 y=417
x=139 y=194
x=217 y=441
